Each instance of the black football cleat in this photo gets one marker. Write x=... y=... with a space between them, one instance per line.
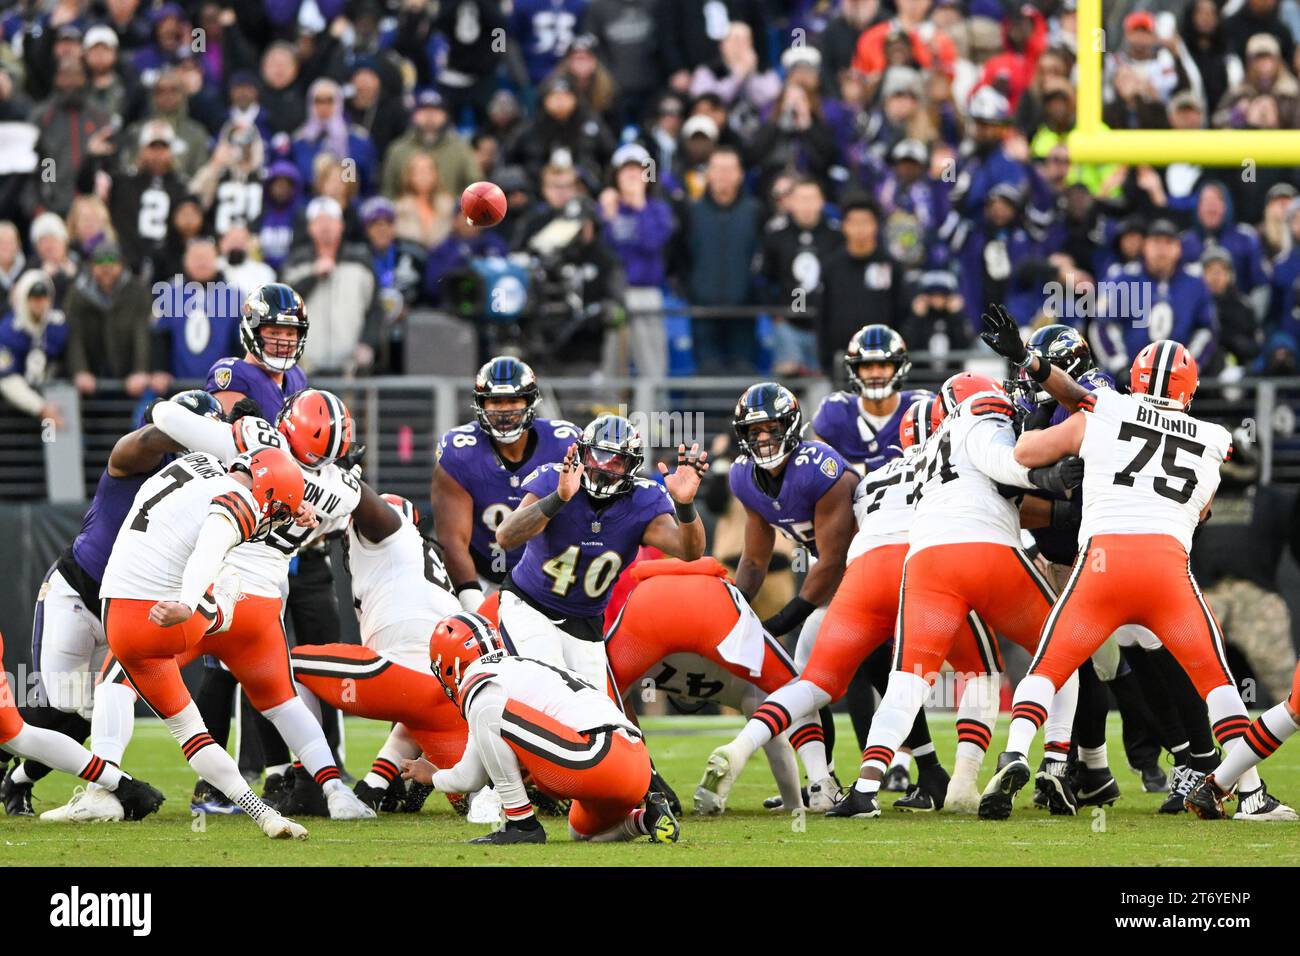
x=1054 y=783
x=1182 y=781
x=17 y=797
x=138 y=798
x=917 y=800
x=208 y=799
x=897 y=780
x=277 y=788
x=417 y=793
x=394 y=796
x=1012 y=774
x=372 y=797
x=855 y=805
x=934 y=780
x=1154 y=779
x=510 y=834
x=659 y=785
x=1206 y=800
x=660 y=821
x=306 y=798
x=1094 y=788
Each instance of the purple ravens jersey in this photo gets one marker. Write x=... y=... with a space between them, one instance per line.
x=810 y=471
x=468 y=456
x=839 y=422
x=570 y=568
x=240 y=375
x=1092 y=380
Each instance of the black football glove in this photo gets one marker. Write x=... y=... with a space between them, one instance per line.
x=1058 y=479
x=1071 y=471
x=1003 y=335
x=244 y=408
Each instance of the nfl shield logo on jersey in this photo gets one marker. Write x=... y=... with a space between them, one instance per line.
x=222 y=377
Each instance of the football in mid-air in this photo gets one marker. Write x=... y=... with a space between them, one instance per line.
x=484 y=204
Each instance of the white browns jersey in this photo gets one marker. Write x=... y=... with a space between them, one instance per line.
x=1147 y=470
x=334 y=493
x=884 y=504
x=958 y=473
x=558 y=693
x=401 y=578
x=160 y=531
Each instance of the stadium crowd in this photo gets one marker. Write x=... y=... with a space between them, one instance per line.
x=663 y=159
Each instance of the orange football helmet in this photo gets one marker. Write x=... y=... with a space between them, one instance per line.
x=405 y=506
x=963 y=385
x=458 y=640
x=1166 y=372
x=920 y=421
x=317 y=426
x=277 y=483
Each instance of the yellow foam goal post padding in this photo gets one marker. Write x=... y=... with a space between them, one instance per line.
x=1090 y=143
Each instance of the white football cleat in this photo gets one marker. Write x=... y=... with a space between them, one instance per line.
x=719 y=776
x=485 y=807
x=1259 y=804
x=282 y=828
x=88 y=805
x=824 y=794
x=963 y=796
x=346 y=805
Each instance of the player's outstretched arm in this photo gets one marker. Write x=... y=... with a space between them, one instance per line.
x=195 y=432
x=1003 y=336
x=755 y=555
x=373 y=518
x=683 y=538
x=533 y=513
x=140 y=452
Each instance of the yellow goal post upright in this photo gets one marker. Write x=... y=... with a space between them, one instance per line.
x=1090 y=143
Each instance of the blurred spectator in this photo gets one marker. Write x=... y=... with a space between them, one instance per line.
x=638 y=227
x=929 y=48
x=108 y=87
x=592 y=83
x=559 y=187
x=860 y=284
x=912 y=203
x=699 y=142
x=49 y=238
x=465 y=244
x=1207 y=47
x=237 y=263
x=370 y=108
x=196 y=317
x=1266 y=73
x=327 y=131
x=33 y=340
x=12 y=261
x=1024 y=38
x=1155 y=66
x=562 y=128
x=693 y=30
x=132 y=31
x=139 y=202
x=88 y=223
x=1052 y=72
x=938 y=322
x=1158 y=299
x=897 y=117
x=721 y=237
x=504 y=116
x=735 y=76
x=1135 y=105
x=189 y=138
x=1241 y=337
x=332 y=178
x=282 y=202
x=245 y=108
x=225 y=50
x=839 y=41
x=796 y=139
x=1214 y=225
x=1274 y=233
x=281 y=94
x=43 y=52
x=472 y=29
x=795 y=247
x=629 y=43
x=169 y=42
x=68 y=126
x=989 y=250
x=398 y=262
x=431 y=133
x=108 y=312
x=996 y=155
x=1254 y=17
x=229 y=184
x=184 y=225
x=543 y=29
x=424 y=207
x=205 y=103
x=339 y=289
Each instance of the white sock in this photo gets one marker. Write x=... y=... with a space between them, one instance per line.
x=1033 y=697
x=893 y=720
x=209 y=761
x=62 y=753
x=302 y=732
x=1060 y=719
x=784 y=708
x=1269 y=731
x=977 y=716
x=113 y=721
x=1094 y=758
x=398 y=747
x=785 y=771
x=20 y=777
x=966 y=766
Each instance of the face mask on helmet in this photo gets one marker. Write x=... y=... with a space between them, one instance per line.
x=504 y=424
x=505 y=378
x=274 y=306
x=607 y=472
x=878 y=383
x=769 y=443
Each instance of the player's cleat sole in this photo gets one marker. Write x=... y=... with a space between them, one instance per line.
x=897 y=780
x=1012 y=774
x=1154 y=780
x=344 y=805
x=17 y=797
x=1059 y=795
x=715 y=786
x=546 y=805
x=1206 y=800
x=208 y=799
x=459 y=802
x=1261 y=806
x=281 y=828
x=1095 y=788
x=856 y=805
x=509 y=835
x=1182 y=782
x=660 y=821
x=823 y=795
x=917 y=800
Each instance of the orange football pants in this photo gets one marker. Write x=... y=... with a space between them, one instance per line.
x=11 y=722
x=255 y=650
x=943 y=583
x=360 y=682
x=605 y=775
x=1141 y=579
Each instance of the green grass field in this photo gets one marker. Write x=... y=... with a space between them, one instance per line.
x=1128 y=834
